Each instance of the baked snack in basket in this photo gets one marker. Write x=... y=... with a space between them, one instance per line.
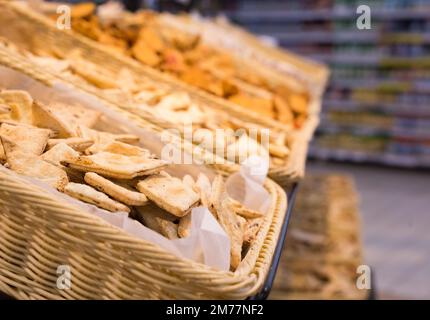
x=149 y=38
x=143 y=95
x=112 y=172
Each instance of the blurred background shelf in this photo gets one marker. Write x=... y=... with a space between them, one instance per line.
x=377 y=106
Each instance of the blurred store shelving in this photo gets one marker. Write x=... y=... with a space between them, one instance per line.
x=377 y=106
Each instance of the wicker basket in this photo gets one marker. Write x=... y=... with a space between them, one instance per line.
x=19 y=23
x=38 y=233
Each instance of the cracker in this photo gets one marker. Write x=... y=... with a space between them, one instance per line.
x=58 y=153
x=90 y=195
x=204 y=187
x=52 y=134
x=189 y=181
x=118 y=192
x=76 y=143
x=77 y=115
x=151 y=38
x=52 y=64
x=228 y=220
x=126 y=150
x=261 y=105
x=117 y=166
x=145 y=54
x=217 y=190
x=82 y=10
x=152 y=215
x=241 y=210
x=101 y=138
x=29 y=139
x=31 y=165
x=176 y=101
x=298 y=102
x=279 y=151
x=92 y=74
x=168 y=228
x=283 y=110
x=251 y=229
x=46 y=117
x=245 y=147
x=184 y=227
x=169 y=193
x=232 y=225
x=20 y=104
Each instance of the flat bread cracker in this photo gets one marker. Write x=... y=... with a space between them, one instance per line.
x=101 y=138
x=29 y=139
x=31 y=165
x=189 y=181
x=241 y=210
x=93 y=75
x=58 y=153
x=251 y=229
x=126 y=150
x=46 y=117
x=77 y=115
x=20 y=103
x=245 y=147
x=298 y=102
x=204 y=187
x=152 y=215
x=228 y=220
x=145 y=54
x=118 y=192
x=169 y=193
x=279 y=151
x=184 y=227
x=90 y=195
x=283 y=111
x=82 y=10
x=168 y=228
x=231 y=223
x=116 y=166
x=76 y=143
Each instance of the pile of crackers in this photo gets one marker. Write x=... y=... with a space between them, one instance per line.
x=175 y=106
x=145 y=38
x=60 y=145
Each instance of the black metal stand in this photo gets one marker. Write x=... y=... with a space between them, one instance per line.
x=267 y=287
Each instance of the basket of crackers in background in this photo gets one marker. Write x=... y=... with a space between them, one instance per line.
x=84 y=188
x=104 y=60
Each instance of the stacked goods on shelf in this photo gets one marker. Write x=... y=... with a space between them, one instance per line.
x=323 y=249
x=57 y=137
x=376 y=106
x=160 y=97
